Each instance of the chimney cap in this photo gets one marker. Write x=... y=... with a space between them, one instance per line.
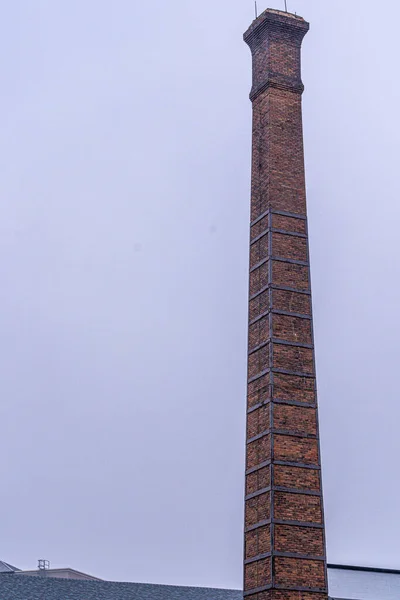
x=283 y=13
x=273 y=15
x=276 y=20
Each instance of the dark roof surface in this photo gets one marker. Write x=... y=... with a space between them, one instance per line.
x=16 y=587
x=354 y=583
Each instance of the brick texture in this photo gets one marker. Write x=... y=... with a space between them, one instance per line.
x=258 y=480
x=299 y=572
x=274 y=594
x=296 y=449
x=292 y=302
x=284 y=526
x=295 y=419
x=258 y=390
x=291 y=329
x=299 y=540
x=297 y=507
x=258 y=541
x=258 y=421
x=258 y=509
x=297 y=477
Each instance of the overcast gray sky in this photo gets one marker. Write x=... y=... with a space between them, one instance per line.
x=124 y=209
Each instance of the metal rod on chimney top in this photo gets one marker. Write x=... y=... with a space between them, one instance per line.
x=286 y=5
x=255 y=6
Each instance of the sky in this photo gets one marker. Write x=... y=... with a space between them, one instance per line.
x=124 y=220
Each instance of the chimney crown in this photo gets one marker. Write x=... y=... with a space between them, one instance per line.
x=275 y=39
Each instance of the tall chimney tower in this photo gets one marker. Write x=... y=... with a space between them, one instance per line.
x=285 y=557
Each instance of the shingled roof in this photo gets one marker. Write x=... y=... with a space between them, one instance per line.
x=17 y=587
x=361 y=583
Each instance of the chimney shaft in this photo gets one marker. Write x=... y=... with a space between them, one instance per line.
x=285 y=557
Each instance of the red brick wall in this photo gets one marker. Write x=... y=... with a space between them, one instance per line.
x=284 y=526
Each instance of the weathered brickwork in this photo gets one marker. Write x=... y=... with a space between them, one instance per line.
x=258 y=451
x=299 y=478
x=289 y=224
x=295 y=419
x=299 y=540
x=292 y=302
x=258 y=421
x=284 y=523
x=294 y=388
x=291 y=329
x=293 y=358
x=258 y=278
x=258 y=480
x=257 y=574
x=297 y=572
x=259 y=332
x=290 y=275
x=258 y=361
x=258 y=541
x=258 y=390
x=300 y=595
x=258 y=509
x=297 y=507
x=259 y=228
x=296 y=449
x=259 y=249
x=289 y=246
x=259 y=305
x=273 y=594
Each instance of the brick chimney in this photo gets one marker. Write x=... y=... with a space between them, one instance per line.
x=285 y=555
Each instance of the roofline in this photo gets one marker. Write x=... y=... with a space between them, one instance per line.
x=11 y=568
x=365 y=569
x=57 y=570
